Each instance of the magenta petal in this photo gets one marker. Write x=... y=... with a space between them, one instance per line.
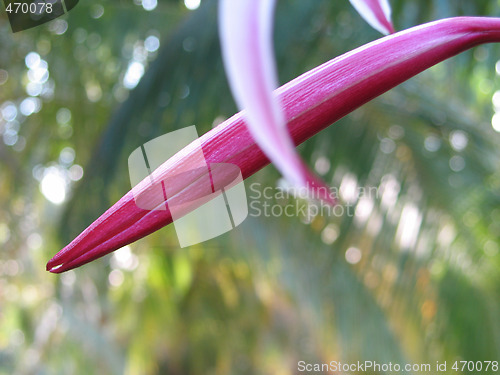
x=245 y=28
x=377 y=13
x=312 y=102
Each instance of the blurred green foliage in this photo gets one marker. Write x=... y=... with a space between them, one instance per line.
x=412 y=277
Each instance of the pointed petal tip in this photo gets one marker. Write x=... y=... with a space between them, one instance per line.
x=53 y=269
x=50 y=265
x=53 y=266
x=319 y=190
x=309 y=187
x=60 y=267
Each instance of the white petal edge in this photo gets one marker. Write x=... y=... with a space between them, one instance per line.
x=367 y=9
x=245 y=29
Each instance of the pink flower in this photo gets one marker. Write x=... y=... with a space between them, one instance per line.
x=309 y=103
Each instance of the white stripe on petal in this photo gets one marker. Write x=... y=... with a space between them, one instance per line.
x=245 y=28
x=376 y=12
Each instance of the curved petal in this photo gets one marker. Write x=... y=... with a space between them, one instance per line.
x=377 y=13
x=245 y=29
x=313 y=101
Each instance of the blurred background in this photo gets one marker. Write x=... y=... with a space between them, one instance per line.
x=412 y=275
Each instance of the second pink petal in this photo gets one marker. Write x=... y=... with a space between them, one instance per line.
x=245 y=28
